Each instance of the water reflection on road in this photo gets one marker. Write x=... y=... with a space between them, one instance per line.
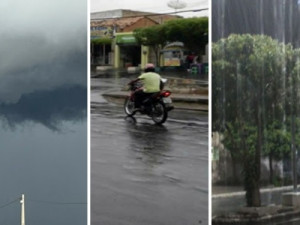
x=147 y=174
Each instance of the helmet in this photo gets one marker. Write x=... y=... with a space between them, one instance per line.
x=149 y=65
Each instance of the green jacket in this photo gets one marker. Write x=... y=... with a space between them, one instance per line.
x=151 y=82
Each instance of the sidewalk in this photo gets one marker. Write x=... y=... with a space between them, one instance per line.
x=236 y=212
x=180 y=101
x=223 y=189
x=189 y=91
x=231 y=191
x=166 y=73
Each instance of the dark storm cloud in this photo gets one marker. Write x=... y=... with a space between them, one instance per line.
x=31 y=63
x=42 y=81
x=43 y=61
x=47 y=107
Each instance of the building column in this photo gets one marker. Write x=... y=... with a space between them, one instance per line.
x=144 y=56
x=117 y=56
x=161 y=59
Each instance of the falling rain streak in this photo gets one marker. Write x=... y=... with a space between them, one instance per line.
x=255 y=74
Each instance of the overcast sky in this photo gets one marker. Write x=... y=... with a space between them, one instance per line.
x=40 y=41
x=43 y=50
x=149 y=6
x=43 y=105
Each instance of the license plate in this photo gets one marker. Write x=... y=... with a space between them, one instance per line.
x=167 y=100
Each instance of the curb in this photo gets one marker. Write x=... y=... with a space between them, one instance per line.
x=241 y=193
x=281 y=217
x=186 y=102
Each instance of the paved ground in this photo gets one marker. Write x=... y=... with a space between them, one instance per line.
x=145 y=174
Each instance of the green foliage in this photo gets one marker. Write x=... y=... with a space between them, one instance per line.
x=248 y=75
x=150 y=36
x=255 y=89
x=277 y=141
x=241 y=140
x=237 y=136
x=278 y=181
x=101 y=41
x=297 y=131
x=193 y=32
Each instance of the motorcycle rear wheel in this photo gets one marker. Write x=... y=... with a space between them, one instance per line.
x=129 y=107
x=159 y=113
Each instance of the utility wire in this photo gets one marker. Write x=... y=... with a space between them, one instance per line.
x=56 y=203
x=157 y=9
x=43 y=202
x=155 y=14
x=7 y=204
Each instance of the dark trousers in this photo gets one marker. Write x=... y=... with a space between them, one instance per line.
x=139 y=97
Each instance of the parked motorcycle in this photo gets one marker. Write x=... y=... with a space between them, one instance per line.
x=156 y=106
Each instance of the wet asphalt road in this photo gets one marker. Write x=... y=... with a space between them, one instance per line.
x=143 y=174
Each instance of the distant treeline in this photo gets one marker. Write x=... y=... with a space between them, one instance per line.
x=279 y=19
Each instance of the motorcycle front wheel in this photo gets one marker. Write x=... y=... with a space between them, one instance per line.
x=159 y=113
x=129 y=106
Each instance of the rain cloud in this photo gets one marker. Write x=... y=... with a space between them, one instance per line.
x=43 y=61
x=47 y=107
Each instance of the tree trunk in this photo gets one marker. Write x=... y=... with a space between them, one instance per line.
x=251 y=183
x=256 y=181
x=103 y=58
x=271 y=168
x=252 y=162
x=234 y=171
x=256 y=195
x=156 y=51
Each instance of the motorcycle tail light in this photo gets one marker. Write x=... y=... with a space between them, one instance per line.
x=166 y=93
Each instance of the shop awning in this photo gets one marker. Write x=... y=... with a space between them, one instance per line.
x=125 y=39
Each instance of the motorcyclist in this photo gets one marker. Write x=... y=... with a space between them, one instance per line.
x=151 y=84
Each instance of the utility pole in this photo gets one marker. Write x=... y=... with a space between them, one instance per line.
x=22 y=201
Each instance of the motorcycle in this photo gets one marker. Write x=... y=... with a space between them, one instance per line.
x=156 y=106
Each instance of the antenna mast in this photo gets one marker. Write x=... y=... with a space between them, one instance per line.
x=22 y=201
